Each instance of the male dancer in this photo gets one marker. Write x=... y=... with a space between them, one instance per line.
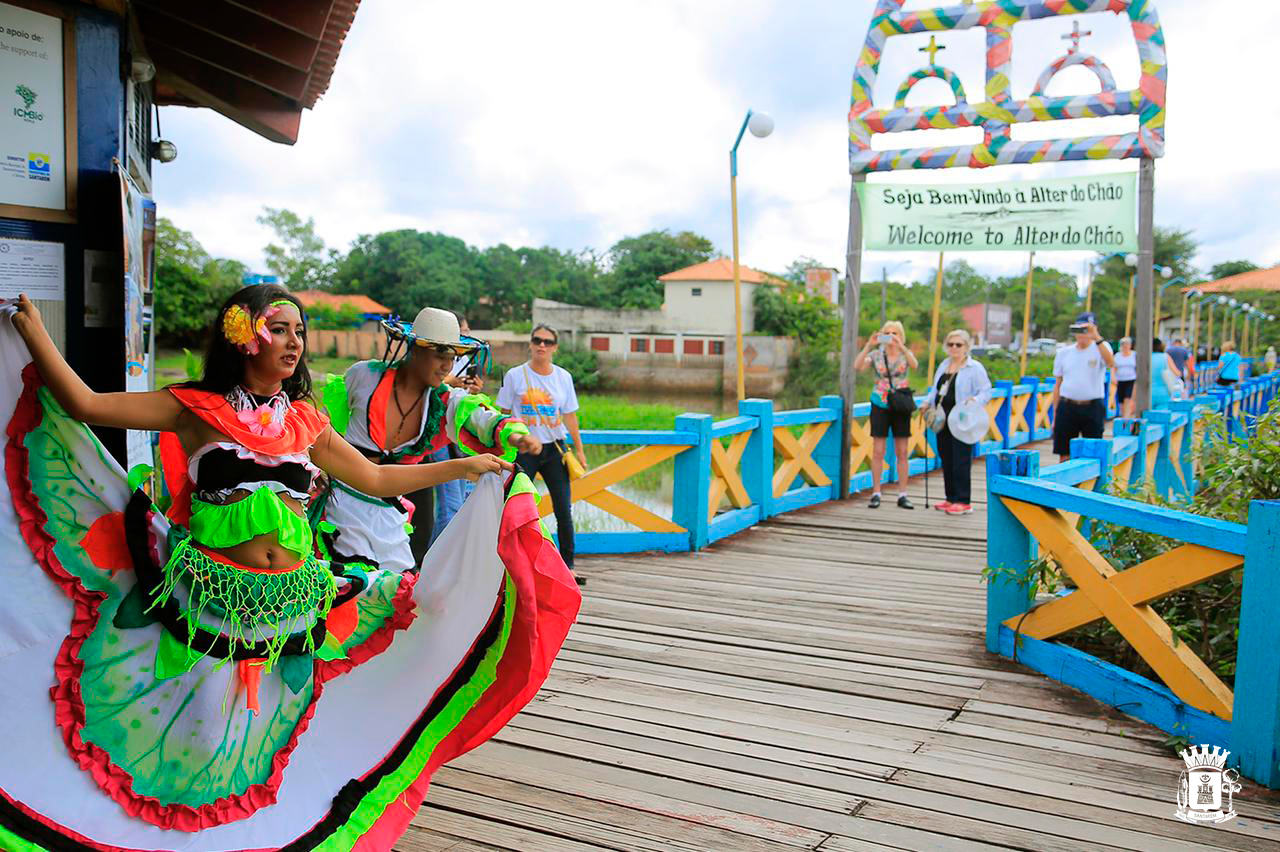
x=399 y=411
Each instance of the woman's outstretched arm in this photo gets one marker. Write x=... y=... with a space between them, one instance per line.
x=156 y=411
x=336 y=457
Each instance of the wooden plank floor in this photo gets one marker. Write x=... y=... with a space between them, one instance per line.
x=818 y=682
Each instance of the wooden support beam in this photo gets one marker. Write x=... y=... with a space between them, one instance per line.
x=1149 y=581
x=1181 y=670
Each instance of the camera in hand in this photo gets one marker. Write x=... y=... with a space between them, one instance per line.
x=1078 y=327
x=885 y=339
x=472 y=371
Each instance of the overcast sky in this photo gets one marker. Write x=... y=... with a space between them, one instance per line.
x=573 y=123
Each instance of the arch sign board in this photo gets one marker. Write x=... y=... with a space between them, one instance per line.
x=1094 y=213
x=998 y=111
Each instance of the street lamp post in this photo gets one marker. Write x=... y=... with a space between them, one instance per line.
x=1192 y=293
x=1229 y=319
x=1166 y=272
x=761 y=126
x=1221 y=301
x=1131 y=261
x=1182 y=324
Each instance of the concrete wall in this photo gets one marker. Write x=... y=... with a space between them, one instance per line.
x=765 y=362
x=660 y=373
x=570 y=318
x=348 y=344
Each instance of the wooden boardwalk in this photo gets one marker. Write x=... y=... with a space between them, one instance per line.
x=819 y=682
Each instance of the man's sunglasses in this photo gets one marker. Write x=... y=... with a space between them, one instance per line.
x=542 y=341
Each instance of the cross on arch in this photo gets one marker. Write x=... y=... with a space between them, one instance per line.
x=1075 y=35
x=932 y=47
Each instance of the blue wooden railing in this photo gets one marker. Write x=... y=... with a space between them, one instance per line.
x=1031 y=509
x=729 y=474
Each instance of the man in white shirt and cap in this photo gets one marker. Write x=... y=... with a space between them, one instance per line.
x=1079 y=395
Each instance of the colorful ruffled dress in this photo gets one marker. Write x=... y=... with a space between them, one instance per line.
x=373 y=529
x=158 y=696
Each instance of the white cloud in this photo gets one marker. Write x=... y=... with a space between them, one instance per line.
x=576 y=123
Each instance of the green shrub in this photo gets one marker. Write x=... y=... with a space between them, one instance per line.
x=583 y=365
x=1206 y=616
x=327 y=317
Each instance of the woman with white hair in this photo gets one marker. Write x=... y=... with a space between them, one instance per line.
x=958 y=379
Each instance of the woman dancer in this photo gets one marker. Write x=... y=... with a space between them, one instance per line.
x=216 y=687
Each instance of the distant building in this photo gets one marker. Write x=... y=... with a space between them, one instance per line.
x=700 y=297
x=989 y=323
x=823 y=281
x=688 y=345
x=371 y=312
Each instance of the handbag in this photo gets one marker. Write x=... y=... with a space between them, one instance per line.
x=571 y=463
x=901 y=400
x=936 y=419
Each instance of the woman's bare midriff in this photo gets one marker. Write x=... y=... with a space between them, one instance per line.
x=262 y=552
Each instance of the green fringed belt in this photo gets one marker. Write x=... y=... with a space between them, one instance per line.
x=249 y=607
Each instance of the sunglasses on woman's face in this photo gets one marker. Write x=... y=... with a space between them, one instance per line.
x=952 y=344
x=542 y=341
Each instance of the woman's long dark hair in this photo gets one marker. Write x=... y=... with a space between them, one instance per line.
x=224 y=363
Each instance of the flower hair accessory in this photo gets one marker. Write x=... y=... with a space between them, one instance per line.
x=243 y=330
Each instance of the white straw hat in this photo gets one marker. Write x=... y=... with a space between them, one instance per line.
x=432 y=327
x=969 y=422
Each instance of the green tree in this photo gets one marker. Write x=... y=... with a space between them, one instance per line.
x=1172 y=247
x=190 y=286
x=408 y=270
x=813 y=323
x=299 y=258
x=1231 y=267
x=636 y=262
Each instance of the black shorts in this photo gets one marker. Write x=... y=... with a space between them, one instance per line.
x=1124 y=390
x=883 y=420
x=1073 y=420
x=1226 y=383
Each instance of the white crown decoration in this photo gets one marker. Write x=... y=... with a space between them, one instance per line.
x=1204 y=757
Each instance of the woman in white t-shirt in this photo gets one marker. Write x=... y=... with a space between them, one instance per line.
x=1124 y=377
x=542 y=395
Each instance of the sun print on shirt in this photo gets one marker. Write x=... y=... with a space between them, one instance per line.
x=537 y=406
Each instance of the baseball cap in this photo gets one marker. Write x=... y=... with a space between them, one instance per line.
x=1087 y=316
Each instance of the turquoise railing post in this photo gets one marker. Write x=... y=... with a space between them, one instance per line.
x=1108 y=396
x=1163 y=476
x=1010 y=548
x=1123 y=426
x=1099 y=449
x=692 y=485
x=827 y=453
x=1003 y=414
x=757 y=459
x=1186 y=460
x=1255 y=718
x=1032 y=407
